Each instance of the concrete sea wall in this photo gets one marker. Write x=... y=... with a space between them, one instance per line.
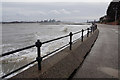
x=63 y=63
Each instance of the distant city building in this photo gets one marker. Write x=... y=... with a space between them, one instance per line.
x=50 y=20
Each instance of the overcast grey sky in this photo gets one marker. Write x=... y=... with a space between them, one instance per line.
x=64 y=11
x=57 y=0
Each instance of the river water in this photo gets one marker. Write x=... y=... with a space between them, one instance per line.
x=19 y=35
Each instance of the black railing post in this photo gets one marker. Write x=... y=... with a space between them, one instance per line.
x=82 y=35
x=70 y=40
x=39 y=59
x=88 y=32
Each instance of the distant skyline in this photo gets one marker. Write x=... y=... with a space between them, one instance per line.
x=64 y=11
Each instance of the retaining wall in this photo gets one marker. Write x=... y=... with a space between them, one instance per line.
x=63 y=63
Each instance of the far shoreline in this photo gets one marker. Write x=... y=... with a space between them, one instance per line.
x=48 y=23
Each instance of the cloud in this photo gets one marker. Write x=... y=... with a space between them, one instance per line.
x=54 y=12
x=64 y=11
x=61 y=11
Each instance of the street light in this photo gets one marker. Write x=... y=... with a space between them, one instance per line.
x=115 y=14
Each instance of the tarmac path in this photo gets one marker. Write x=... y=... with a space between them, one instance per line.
x=102 y=61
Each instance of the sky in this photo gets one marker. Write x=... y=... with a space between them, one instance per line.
x=18 y=10
x=56 y=0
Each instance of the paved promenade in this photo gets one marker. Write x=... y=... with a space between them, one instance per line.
x=102 y=61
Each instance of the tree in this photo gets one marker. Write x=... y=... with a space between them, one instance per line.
x=113 y=10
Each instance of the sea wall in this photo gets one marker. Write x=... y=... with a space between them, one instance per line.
x=63 y=63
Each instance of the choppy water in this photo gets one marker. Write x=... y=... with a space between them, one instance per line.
x=20 y=35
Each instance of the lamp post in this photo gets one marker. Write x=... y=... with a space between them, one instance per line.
x=115 y=14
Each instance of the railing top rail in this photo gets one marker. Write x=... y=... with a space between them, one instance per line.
x=77 y=32
x=55 y=39
x=61 y=37
x=17 y=50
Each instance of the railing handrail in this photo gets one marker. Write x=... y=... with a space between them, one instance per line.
x=17 y=50
x=55 y=39
x=38 y=44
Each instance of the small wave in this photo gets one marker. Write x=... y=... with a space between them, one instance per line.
x=28 y=55
x=18 y=59
x=43 y=37
x=64 y=29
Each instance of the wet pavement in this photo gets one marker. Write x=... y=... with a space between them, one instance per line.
x=102 y=61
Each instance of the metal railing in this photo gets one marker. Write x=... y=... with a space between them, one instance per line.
x=39 y=44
